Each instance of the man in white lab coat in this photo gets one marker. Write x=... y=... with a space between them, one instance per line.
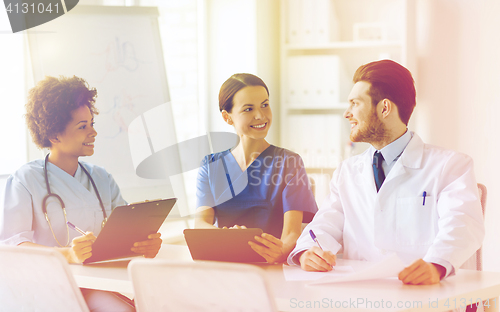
x=401 y=195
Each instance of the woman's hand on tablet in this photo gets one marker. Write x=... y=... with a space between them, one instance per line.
x=270 y=247
x=236 y=227
x=148 y=248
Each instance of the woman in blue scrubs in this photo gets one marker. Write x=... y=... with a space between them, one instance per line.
x=60 y=117
x=255 y=184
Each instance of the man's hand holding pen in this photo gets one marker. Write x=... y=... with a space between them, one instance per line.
x=316 y=259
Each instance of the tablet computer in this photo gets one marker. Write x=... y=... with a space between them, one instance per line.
x=229 y=245
x=127 y=225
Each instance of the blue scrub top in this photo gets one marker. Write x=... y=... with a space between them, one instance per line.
x=276 y=182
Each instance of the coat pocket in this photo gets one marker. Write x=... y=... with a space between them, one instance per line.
x=416 y=221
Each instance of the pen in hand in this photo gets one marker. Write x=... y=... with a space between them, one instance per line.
x=317 y=242
x=74 y=227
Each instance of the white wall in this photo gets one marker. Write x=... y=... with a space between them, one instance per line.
x=458 y=99
x=242 y=37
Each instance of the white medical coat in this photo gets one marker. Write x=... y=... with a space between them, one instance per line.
x=22 y=219
x=366 y=225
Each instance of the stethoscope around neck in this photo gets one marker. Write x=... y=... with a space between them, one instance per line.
x=50 y=194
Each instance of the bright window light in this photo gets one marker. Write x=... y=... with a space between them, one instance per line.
x=12 y=97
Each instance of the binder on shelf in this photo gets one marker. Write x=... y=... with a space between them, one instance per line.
x=294 y=30
x=313 y=81
x=326 y=22
x=311 y=22
x=318 y=139
x=307 y=23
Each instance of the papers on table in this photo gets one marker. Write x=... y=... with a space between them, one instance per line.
x=389 y=267
x=295 y=273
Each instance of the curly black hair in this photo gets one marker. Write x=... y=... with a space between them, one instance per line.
x=51 y=103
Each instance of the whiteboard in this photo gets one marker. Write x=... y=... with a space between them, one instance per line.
x=118 y=51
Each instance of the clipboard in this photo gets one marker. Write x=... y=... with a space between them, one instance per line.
x=230 y=245
x=127 y=225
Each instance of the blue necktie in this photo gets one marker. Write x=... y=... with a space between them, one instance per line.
x=378 y=171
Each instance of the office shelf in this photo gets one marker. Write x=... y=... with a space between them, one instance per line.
x=344 y=45
x=322 y=43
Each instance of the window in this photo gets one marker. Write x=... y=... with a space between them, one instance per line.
x=12 y=95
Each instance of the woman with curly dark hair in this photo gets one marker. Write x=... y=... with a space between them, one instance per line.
x=44 y=194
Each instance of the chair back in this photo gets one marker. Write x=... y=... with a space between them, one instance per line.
x=37 y=279
x=161 y=285
x=475 y=262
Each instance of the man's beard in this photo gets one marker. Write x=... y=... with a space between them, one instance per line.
x=371 y=132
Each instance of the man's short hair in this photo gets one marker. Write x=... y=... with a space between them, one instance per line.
x=389 y=80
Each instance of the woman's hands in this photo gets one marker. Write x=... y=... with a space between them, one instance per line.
x=235 y=227
x=270 y=247
x=149 y=248
x=276 y=250
x=81 y=248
